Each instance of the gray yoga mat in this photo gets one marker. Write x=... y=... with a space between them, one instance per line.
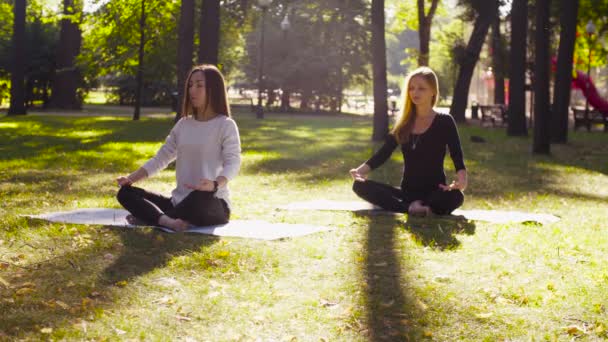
x=494 y=216
x=236 y=228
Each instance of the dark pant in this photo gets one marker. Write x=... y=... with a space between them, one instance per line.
x=199 y=208
x=394 y=199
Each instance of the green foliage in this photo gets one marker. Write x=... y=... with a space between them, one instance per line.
x=325 y=50
x=596 y=11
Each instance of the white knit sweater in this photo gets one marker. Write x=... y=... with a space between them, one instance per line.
x=202 y=149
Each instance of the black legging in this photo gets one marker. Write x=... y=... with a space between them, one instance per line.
x=394 y=199
x=199 y=208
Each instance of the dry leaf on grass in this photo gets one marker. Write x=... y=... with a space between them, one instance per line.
x=484 y=315
x=46 y=330
x=183 y=318
x=574 y=330
x=4 y=282
x=24 y=291
x=327 y=303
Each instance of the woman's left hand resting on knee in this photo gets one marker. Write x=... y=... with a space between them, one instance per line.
x=459 y=184
x=360 y=174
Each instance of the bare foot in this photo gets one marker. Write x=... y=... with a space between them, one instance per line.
x=178 y=225
x=132 y=220
x=419 y=210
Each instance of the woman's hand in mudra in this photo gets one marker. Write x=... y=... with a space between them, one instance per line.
x=124 y=181
x=360 y=174
x=202 y=185
x=455 y=185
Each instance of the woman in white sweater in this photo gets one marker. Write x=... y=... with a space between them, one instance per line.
x=206 y=146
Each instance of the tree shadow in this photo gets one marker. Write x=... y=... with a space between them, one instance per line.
x=391 y=311
x=439 y=232
x=74 y=285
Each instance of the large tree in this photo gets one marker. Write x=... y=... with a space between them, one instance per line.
x=185 y=49
x=498 y=61
x=66 y=80
x=209 y=34
x=139 y=86
x=516 y=125
x=542 y=115
x=484 y=12
x=424 y=30
x=17 y=106
x=378 y=47
x=563 y=76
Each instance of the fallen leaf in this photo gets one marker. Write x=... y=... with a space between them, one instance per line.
x=121 y=283
x=574 y=330
x=183 y=318
x=4 y=282
x=119 y=332
x=381 y=264
x=70 y=284
x=166 y=300
x=428 y=333
x=46 y=330
x=24 y=291
x=484 y=315
x=387 y=304
x=95 y=294
x=4 y=265
x=62 y=304
x=326 y=303
x=28 y=284
x=420 y=305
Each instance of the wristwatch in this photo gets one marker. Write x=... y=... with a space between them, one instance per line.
x=215 y=186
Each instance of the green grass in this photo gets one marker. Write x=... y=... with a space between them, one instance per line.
x=371 y=278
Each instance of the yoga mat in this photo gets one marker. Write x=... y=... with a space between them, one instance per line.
x=494 y=216
x=236 y=228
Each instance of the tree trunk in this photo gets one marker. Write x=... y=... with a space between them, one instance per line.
x=424 y=31
x=185 y=50
x=542 y=114
x=66 y=80
x=285 y=105
x=17 y=106
x=140 y=67
x=209 y=34
x=563 y=77
x=517 y=70
x=378 y=45
x=498 y=62
x=484 y=18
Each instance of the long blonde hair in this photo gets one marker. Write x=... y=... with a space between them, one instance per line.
x=405 y=123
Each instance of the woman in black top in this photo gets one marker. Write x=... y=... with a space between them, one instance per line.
x=423 y=135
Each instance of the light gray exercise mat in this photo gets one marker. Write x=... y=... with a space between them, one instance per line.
x=494 y=216
x=236 y=228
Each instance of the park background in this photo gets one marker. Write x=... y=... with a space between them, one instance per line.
x=91 y=89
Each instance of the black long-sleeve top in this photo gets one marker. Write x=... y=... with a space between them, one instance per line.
x=423 y=155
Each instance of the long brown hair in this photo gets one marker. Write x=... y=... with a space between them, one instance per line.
x=215 y=91
x=405 y=124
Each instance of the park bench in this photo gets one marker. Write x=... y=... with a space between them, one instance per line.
x=493 y=113
x=594 y=117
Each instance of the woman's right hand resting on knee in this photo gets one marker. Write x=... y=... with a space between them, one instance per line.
x=360 y=174
x=141 y=173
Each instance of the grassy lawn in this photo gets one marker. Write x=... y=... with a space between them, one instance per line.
x=372 y=278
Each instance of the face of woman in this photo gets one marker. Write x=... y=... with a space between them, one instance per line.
x=196 y=89
x=420 y=91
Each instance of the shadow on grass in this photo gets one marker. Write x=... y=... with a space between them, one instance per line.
x=78 y=285
x=439 y=232
x=390 y=310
